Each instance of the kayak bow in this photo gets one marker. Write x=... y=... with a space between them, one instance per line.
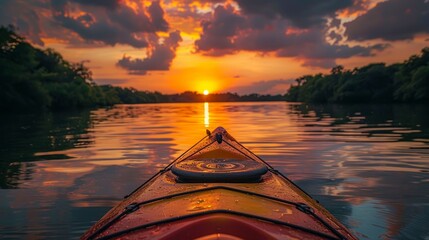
x=218 y=189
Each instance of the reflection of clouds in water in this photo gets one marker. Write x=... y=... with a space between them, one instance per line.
x=382 y=154
x=368 y=221
x=365 y=164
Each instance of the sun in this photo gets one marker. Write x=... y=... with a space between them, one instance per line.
x=206 y=92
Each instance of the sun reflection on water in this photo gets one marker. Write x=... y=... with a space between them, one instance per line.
x=206 y=115
x=366 y=164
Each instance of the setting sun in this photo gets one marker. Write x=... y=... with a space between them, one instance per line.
x=206 y=92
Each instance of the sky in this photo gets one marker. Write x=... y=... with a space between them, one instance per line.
x=243 y=46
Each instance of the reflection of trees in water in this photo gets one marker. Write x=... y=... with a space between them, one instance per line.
x=24 y=135
x=402 y=192
x=412 y=117
x=405 y=195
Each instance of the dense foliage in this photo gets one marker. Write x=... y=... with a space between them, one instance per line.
x=34 y=79
x=404 y=82
x=31 y=78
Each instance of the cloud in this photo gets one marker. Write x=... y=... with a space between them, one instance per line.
x=157 y=17
x=312 y=32
x=113 y=23
x=24 y=15
x=302 y=14
x=264 y=87
x=230 y=31
x=82 y=23
x=218 y=33
x=111 y=4
x=97 y=22
x=391 y=20
x=159 y=56
x=312 y=47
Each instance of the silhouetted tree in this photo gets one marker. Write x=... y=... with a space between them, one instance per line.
x=406 y=82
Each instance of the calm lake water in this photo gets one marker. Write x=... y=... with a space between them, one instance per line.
x=367 y=164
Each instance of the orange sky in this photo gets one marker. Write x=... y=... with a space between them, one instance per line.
x=220 y=45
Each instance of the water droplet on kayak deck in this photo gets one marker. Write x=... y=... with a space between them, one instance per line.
x=198 y=208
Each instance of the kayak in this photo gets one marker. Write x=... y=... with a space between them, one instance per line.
x=218 y=189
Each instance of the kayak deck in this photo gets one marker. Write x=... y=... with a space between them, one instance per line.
x=218 y=190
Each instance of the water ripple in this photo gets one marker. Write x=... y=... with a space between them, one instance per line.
x=367 y=164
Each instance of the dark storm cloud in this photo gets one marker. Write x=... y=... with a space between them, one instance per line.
x=25 y=17
x=111 y=4
x=336 y=37
x=217 y=33
x=315 y=53
x=391 y=20
x=100 y=31
x=301 y=13
x=119 y=25
x=159 y=56
x=104 y=3
x=188 y=8
x=229 y=31
x=157 y=17
x=95 y=22
x=311 y=44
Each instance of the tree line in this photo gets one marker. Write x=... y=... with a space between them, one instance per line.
x=373 y=83
x=190 y=96
x=34 y=79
